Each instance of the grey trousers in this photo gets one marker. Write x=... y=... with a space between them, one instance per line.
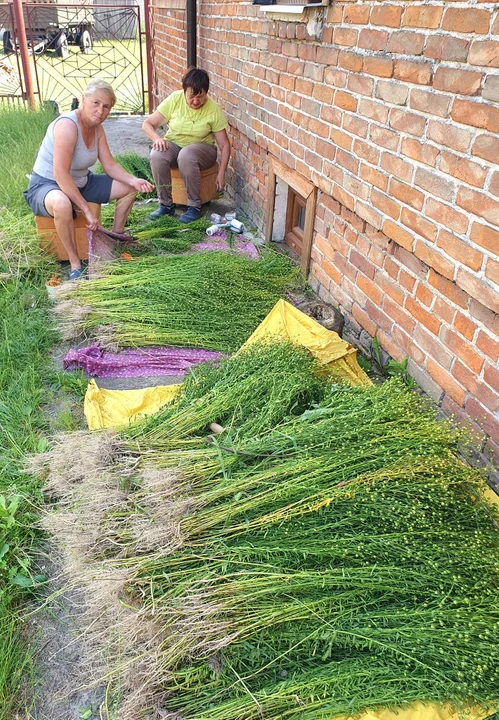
x=190 y=160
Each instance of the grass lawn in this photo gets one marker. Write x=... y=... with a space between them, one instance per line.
x=25 y=338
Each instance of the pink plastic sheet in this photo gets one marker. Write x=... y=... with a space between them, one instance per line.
x=220 y=242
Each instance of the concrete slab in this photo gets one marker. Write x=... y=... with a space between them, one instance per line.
x=137 y=383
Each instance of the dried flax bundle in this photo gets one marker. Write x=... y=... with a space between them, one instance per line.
x=89 y=475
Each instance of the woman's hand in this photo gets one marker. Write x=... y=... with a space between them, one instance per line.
x=160 y=144
x=224 y=146
x=92 y=222
x=220 y=181
x=150 y=127
x=141 y=185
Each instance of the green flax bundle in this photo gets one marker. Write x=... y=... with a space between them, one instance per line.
x=355 y=566
x=245 y=394
x=324 y=554
x=169 y=235
x=208 y=300
x=166 y=235
x=135 y=165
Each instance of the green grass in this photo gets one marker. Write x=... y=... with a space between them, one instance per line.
x=21 y=132
x=15 y=662
x=73 y=383
x=25 y=338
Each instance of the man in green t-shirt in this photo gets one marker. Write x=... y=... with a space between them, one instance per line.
x=196 y=126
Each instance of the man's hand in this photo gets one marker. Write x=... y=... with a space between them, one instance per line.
x=141 y=185
x=92 y=222
x=160 y=144
x=220 y=181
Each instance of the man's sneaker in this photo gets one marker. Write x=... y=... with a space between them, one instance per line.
x=193 y=213
x=162 y=210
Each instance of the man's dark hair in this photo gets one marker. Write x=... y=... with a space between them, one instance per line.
x=197 y=80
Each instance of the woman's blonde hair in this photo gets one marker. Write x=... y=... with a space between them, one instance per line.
x=96 y=85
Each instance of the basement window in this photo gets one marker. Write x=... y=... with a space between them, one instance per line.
x=290 y=211
x=294 y=8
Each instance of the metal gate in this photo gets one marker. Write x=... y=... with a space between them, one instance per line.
x=71 y=44
x=11 y=79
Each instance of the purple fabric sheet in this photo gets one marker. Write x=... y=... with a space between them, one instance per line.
x=143 y=362
x=219 y=242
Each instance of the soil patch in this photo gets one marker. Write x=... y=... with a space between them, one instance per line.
x=62 y=665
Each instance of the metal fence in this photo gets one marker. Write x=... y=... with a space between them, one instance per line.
x=71 y=44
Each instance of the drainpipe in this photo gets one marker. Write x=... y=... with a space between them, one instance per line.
x=23 y=49
x=151 y=78
x=191 y=22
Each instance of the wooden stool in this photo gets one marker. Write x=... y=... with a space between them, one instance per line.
x=208 y=185
x=49 y=239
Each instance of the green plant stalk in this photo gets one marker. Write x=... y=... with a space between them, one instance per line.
x=209 y=300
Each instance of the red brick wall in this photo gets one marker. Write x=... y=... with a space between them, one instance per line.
x=170 y=50
x=392 y=110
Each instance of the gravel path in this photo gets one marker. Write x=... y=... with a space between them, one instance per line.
x=124 y=134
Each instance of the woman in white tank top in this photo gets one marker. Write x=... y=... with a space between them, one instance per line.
x=61 y=179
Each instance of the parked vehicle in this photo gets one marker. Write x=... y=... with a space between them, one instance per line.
x=53 y=26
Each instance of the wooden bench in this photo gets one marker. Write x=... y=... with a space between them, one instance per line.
x=49 y=239
x=208 y=185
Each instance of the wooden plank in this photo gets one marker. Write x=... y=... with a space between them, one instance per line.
x=307 y=191
x=169 y=4
x=288 y=225
x=49 y=238
x=294 y=243
x=208 y=187
x=295 y=181
x=308 y=231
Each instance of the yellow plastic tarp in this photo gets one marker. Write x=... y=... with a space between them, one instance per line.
x=417 y=711
x=287 y=322
x=120 y=408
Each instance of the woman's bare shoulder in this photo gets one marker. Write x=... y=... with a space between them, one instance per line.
x=65 y=126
